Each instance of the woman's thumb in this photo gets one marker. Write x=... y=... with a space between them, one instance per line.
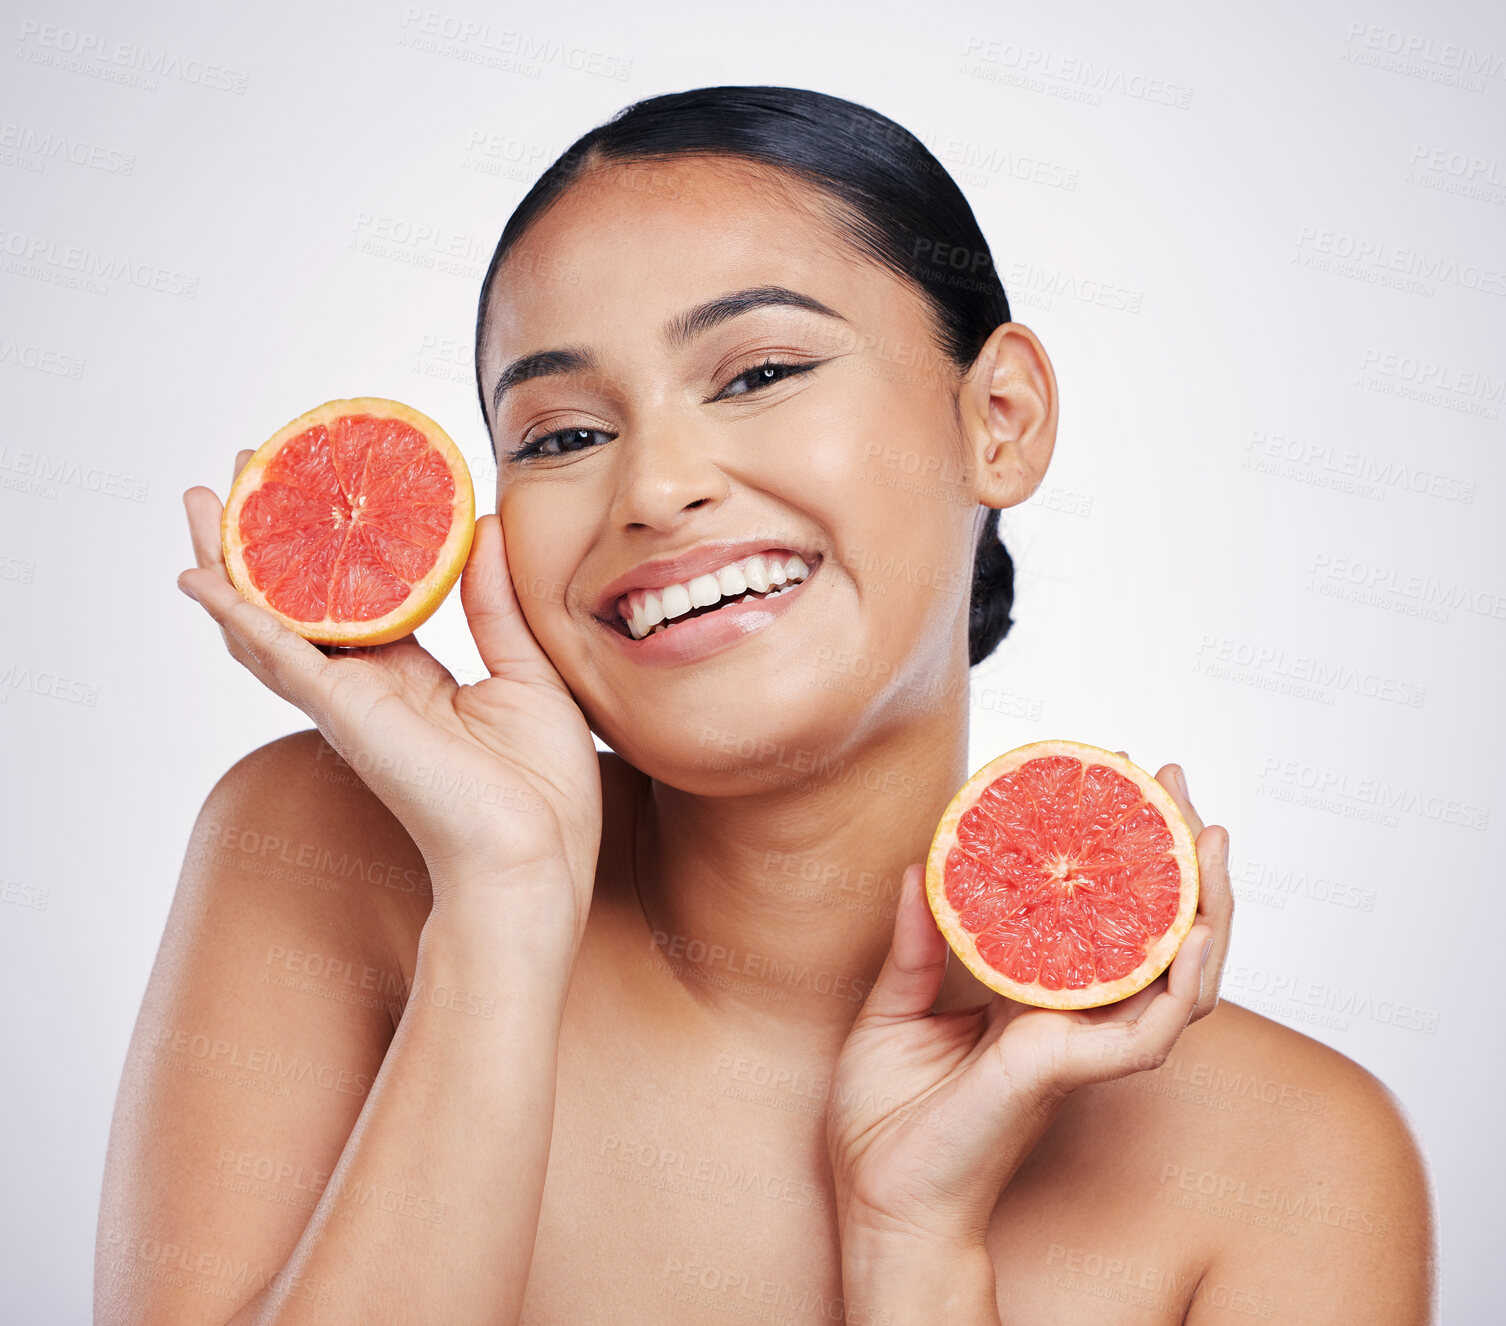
x=911 y=977
x=492 y=611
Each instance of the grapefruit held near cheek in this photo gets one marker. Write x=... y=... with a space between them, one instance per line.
x=351 y=523
x=1063 y=876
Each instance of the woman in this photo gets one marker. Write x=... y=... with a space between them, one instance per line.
x=581 y=1041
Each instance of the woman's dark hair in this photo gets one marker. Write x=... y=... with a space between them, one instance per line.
x=896 y=202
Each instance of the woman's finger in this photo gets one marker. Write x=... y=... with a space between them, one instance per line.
x=1152 y=1034
x=1215 y=909
x=1215 y=898
x=203 y=510
x=1174 y=779
x=1102 y=1051
x=281 y=659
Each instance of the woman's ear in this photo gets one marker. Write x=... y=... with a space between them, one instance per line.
x=1008 y=409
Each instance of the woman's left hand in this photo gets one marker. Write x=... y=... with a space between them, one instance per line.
x=932 y=1113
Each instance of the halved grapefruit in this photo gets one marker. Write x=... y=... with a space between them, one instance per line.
x=1063 y=876
x=351 y=523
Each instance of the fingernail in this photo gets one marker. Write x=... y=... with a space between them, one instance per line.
x=1182 y=783
x=1207 y=949
x=188 y=591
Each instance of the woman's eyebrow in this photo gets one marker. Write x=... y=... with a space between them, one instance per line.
x=542 y=364
x=679 y=329
x=705 y=316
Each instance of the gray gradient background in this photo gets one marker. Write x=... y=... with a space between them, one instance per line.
x=1171 y=575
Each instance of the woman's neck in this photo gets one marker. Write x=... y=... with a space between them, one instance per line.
x=780 y=904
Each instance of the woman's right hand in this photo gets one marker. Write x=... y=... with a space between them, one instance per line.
x=497 y=782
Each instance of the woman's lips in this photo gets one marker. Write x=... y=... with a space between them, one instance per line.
x=712 y=557
x=691 y=638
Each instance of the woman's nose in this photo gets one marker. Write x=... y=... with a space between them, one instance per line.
x=665 y=469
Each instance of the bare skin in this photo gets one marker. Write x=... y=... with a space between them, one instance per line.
x=569 y=1119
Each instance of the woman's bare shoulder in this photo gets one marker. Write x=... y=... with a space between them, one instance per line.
x=301 y=769
x=1295 y=1167
x=1319 y=1101
x=345 y=839
x=298 y=813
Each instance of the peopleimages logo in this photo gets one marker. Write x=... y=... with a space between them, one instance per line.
x=1379 y=262
x=1310 y=677
x=1378 y=585
x=1469 y=167
x=106 y=58
x=43 y=145
x=52 y=685
x=40 y=359
x=75 y=265
x=1418 y=56
x=1341 y=470
x=1329 y=788
x=1291 y=993
x=483 y=44
x=1414 y=377
x=36 y=471
x=1052 y=72
x=1270 y=885
x=1039 y=285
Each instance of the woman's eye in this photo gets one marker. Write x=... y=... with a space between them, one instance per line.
x=564 y=440
x=762 y=376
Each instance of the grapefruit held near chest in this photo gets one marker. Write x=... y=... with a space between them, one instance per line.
x=1063 y=876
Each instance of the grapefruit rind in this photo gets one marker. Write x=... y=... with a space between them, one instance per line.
x=1160 y=952
x=428 y=593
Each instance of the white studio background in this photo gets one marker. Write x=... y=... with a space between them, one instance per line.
x=1264 y=248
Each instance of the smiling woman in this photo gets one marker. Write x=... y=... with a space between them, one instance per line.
x=675 y=1034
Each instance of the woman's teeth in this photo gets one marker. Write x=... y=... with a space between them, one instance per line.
x=648 y=610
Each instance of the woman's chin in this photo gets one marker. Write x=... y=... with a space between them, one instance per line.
x=755 y=740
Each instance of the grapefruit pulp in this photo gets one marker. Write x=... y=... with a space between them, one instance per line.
x=351 y=523
x=1063 y=876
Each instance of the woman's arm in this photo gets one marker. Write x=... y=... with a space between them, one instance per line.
x=278 y=1154
x=277 y=1149
x=894 y=1279
x=432 y=1209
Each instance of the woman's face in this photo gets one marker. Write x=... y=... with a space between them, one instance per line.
x=674 y=442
